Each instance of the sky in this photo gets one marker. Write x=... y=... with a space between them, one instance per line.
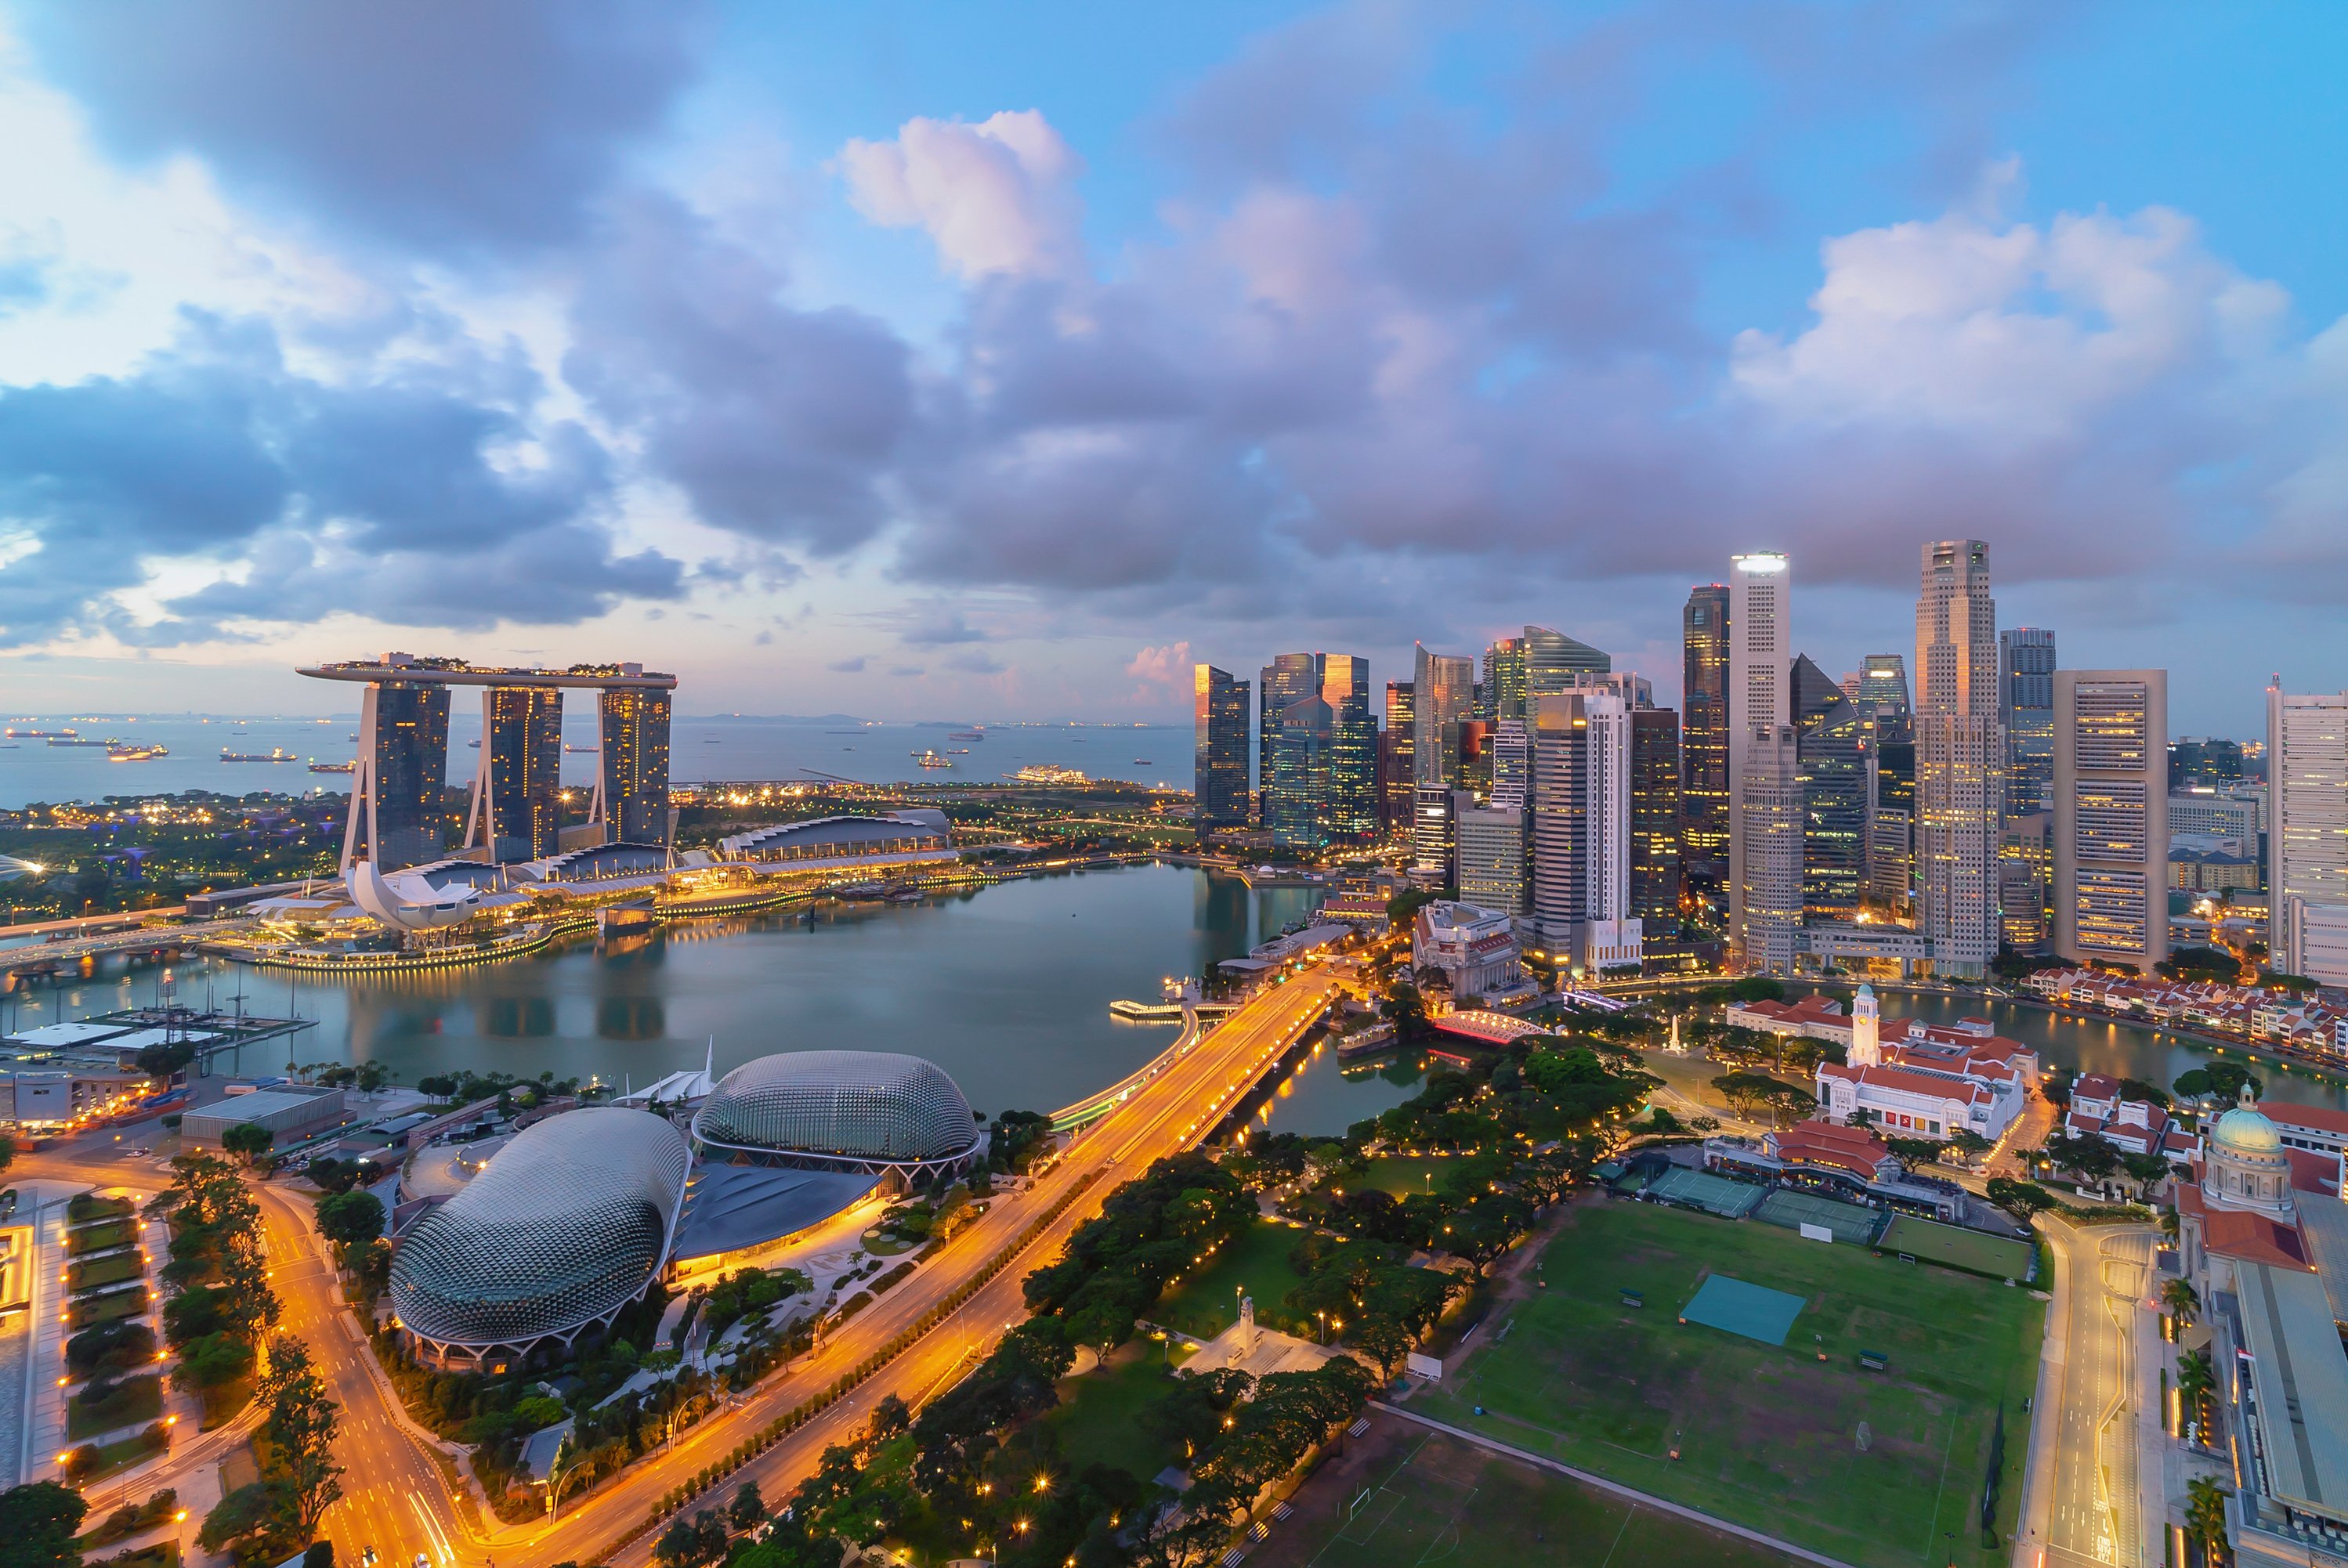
x=987 y=362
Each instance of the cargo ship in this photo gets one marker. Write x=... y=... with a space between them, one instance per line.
x=333 y=767
x=931 y=760
x=967 y=735
x=110 y=743
x=136 y=754
x=40 y=734
x=276 y=754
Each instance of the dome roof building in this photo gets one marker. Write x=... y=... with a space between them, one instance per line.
x=872 y=1112
x=2246 y=1166
x=569 y=1224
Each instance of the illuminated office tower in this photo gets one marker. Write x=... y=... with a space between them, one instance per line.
x=1501 y=694
x=1766 y=901
x=1703 y=734
x=2025 y=688
x=1443 y=697
x=1760 y=651
x=1491 y=852
x=1351 y=811
x=1891 y=825
x=1287 y=680
x=1582 y=854
x=1655 y=821
x=1960 y=758
x=2111 y=816
x=1300 y=796
x=2025 y=882
x=632 y=767
x=1219 y=713
x=516 y=810
x=1884 y=695
x=1833 y=739
x=2307 y=833
x=1510 y=748
x=1398 y=775
x=398 y=817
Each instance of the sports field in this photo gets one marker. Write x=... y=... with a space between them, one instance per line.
x=1405 y=1496
x=1934 y=1243
x=1875 y=1468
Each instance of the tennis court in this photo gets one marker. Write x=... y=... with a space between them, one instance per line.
x=1733 y=1306
x=1853 y=1223
x=1999 y=1258
x=1713 y=1195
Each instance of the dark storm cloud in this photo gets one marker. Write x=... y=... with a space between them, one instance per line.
x=432 y=122
x=386 y=497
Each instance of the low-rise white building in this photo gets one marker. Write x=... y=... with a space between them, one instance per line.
x=1925 y=1079
x=1474 y=947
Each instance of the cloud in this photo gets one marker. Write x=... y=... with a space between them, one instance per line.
x=902 y=669
x=392 y=497
x=993 y=196
x=433 y=123
x=975 y=663
x=779 y=424
x=848 y=666
x=1169 y=667
x=942 y=634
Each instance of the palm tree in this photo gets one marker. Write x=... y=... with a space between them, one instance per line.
x=2205 y=1519
x=2181 y=1301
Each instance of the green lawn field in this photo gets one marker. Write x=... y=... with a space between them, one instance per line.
x=1876 y=1468
x=1207 y=1303
x=1437 y=1500
x=1096 y=1421
x=1989 y=1255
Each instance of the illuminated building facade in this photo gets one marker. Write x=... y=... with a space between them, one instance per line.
x=1655 y=818
x=517 y=808
x=1397 y=752
x=632 y=770
x=1831 y=757
x=1219 y=709
x=1960 y=758
x=403 y=755
x=2111 y=816
x=2025 y=689
x=1760 y=652
x=2307 y=832
x=1703 y=735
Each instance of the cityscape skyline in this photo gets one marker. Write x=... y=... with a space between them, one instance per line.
x=323 y=456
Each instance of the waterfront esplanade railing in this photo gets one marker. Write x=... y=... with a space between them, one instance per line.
x=403 y=755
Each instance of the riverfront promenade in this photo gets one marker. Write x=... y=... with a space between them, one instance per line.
x=401 y=1502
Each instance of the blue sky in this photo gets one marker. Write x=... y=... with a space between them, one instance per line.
x=960 y=360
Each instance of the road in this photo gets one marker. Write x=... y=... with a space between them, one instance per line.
x=398 y=1501
x=2091 y=1513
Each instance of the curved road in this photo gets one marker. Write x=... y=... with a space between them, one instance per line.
x=398 y=1499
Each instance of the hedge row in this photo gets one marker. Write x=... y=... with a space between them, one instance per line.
x=799 y=1415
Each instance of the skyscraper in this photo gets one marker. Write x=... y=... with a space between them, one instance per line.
x=1288 y=680
x=1302 y=794
x=1491 y=853
x=1704 y=738
x=516 y=811
x=1398 y=749
x=1443 y=698
x=1891 y=824
x=2307 y=833
x=1884 y=695
x=2025 y=689
x=1655 y=821
x=1500 y=695
x=1766 y=901
x=1582 y=829
x=1352 y=813
x=1833 y=739
x=1760 y=651
x=2025 y=882
x=1219 y=712
x=397 y=817
x=2111 y=816
x=631 y=764
x=1512 y=749
x=1559 y=804
x=1960 y=753
x=1553 y=662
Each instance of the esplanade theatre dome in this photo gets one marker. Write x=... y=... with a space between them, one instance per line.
x=567 y=1225
x=857 y=1110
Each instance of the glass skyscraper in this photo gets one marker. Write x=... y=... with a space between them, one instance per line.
x=1352 y=809
x=631 y=772
x=1655 y=819
x=1398 y=776
x=2025 y=689
x=1704 y=729
x=1287 y=680
x=406 y=739
x=521 y=746
x=1830 y=748
x=1219 y=709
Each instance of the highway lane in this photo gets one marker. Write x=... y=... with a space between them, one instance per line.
x=397 y=1499
x=2092 y=1512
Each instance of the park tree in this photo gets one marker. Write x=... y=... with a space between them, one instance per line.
x=2219 y=1081
x=748 y=1509
x=258 y=1517
x=2019 y=1199
x=1404 y=1007
x=350 y=1219
x=249 y=1140
x=300 y=1423
x=37 y=1526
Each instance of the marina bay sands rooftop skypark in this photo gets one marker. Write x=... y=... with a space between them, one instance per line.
x=514 y=812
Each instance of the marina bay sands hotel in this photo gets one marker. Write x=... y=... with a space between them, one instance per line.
x=397 y=816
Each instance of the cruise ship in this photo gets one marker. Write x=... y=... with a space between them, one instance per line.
x=1049 y=774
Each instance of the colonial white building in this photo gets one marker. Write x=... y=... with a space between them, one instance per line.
x=1921 y=1079
x=1474 y=947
